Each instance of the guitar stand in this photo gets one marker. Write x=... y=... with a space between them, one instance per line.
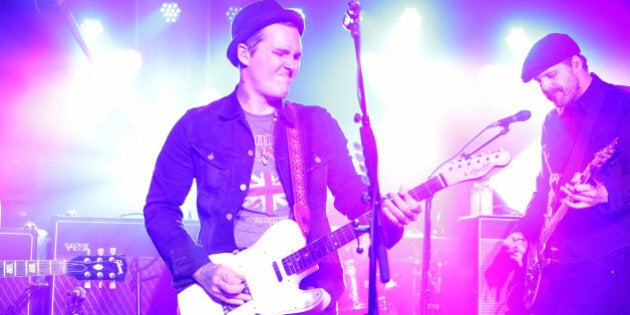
x=21 y=300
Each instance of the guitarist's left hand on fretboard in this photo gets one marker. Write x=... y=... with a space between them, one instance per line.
x=401 y=208
x=581 y=196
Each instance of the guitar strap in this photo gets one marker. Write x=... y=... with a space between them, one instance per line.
x=576 y=161
x=301 y=212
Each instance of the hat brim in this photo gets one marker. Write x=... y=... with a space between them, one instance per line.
x=263 y=21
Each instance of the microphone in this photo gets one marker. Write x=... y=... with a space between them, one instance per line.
x=520 y=116
x=78 y=292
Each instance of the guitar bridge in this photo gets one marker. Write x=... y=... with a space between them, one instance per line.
x=227 y=308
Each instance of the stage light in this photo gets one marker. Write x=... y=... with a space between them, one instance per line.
x=517 y=41
x=170 y=11
x=405 y=39
x=298 y=10
x=231 y=13
x=91 y=28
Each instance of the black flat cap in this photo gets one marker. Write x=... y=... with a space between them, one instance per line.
x=548 y=51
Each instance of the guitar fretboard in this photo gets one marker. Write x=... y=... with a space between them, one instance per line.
x=25 y=268
x=312 y=253
x=433 y=185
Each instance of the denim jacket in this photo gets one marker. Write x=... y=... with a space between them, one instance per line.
x=214 y=146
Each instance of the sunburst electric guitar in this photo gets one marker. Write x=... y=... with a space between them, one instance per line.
x=273 y=273
x=536 y=260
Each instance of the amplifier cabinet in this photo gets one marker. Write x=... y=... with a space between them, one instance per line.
x=481 y=278
x=18 y=294
x=146 y=288
x=402 y=294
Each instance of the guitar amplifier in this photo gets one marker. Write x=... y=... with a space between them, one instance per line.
x=146 y=288
x=481 y=278
x=20 y=295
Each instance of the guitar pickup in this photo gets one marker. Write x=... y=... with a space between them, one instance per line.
x=277 y=271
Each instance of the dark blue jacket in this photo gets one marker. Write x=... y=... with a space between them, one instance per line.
x=214 y=146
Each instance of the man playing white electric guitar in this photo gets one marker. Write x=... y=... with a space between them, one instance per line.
x=259 y=161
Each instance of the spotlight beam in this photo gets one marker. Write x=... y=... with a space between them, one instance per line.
x=74 y=28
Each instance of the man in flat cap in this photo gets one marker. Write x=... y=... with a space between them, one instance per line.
x=576 y=228
x=262 y=166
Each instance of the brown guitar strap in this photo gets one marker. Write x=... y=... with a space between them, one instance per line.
x=301 y=212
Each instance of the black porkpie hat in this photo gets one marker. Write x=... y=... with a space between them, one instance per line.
x=548 y=51
x=256 y=16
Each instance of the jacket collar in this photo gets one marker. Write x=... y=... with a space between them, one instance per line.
x=232 y=108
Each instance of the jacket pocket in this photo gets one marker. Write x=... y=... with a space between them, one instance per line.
x=212 y=166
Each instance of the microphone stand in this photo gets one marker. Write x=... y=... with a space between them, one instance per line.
x=378 y=251
x=426 y=257
x=503 y=131
x=426 y=249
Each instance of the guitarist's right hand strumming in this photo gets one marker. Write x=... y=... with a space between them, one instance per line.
x=222 y=283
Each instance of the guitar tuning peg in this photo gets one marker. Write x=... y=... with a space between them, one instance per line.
x=112 y=251
x=100 y=251
x=100 y=284
x=112 y=285
x=88 y=252
x=87 y=284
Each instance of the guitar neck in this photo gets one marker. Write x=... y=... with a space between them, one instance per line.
x=27 y=268
x=433 y=185
x=312 y=253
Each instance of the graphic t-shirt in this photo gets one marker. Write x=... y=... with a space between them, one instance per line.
x=266 y=201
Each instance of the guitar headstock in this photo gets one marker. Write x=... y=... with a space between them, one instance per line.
x=474 y=167
x=112 y=268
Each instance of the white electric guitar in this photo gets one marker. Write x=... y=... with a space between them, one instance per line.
x=280 y=259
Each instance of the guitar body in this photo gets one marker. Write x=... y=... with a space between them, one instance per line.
x=533 y=272
x=272 y=289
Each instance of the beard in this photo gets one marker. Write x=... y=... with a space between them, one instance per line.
x=565 y=95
